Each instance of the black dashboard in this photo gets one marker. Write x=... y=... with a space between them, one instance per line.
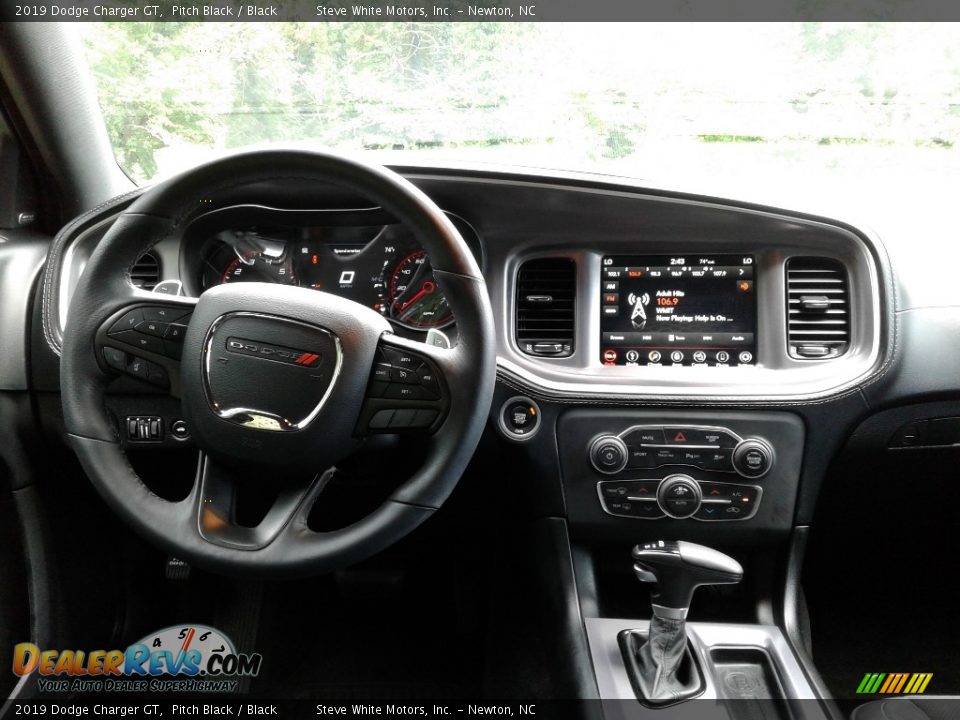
x=810 y=298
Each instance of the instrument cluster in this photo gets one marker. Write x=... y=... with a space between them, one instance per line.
x=380 y=265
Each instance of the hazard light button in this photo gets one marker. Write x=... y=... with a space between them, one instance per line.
x=685 y=436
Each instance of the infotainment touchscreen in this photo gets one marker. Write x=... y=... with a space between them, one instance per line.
x=678 y=310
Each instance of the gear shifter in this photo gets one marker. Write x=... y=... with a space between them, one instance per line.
x=661 y=667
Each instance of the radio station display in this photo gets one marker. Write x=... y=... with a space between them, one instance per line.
x=678 y=310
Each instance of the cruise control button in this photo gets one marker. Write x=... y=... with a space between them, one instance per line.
x=404 y=375
x=128 y=322
x=382 y=372
x=428 y=380
x=396 y=391
x=403 y=359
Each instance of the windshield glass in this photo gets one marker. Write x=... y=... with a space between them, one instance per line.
x=644 y=100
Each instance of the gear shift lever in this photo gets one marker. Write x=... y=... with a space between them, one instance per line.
x=661 y=668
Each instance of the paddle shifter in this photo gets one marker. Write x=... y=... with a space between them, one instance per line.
x=660 y=665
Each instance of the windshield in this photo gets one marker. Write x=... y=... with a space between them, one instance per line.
x=644 y=100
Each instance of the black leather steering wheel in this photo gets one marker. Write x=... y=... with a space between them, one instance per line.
x=278 y=376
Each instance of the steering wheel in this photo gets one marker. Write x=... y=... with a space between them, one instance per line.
x=287 y=379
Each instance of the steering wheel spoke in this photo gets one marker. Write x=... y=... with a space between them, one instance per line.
x=408 y=390
x=215 y=500
x=144 y=339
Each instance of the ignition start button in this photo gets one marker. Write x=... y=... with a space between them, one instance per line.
x=519 y=418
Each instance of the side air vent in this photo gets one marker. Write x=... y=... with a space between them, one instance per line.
x=546 y=307
x=145 y=273
x=818 y=308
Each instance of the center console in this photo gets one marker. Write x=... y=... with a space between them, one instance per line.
x=688 y=486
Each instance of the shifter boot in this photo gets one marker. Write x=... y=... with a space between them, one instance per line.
x=661 y=667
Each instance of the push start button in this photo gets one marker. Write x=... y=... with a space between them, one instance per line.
x=519 y=418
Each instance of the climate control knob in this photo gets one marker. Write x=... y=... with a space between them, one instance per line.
x=608 y=454
x=679 y=496
x=753 y=458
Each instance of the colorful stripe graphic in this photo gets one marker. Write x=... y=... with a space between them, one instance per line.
x=894 y=683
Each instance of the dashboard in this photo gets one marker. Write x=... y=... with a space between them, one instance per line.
x=599 y=292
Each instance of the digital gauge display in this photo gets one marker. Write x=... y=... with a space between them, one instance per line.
x=381 y=266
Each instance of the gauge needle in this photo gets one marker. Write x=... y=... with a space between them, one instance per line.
x=428 y=288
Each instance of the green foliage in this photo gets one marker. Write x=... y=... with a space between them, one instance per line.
x=547 y=94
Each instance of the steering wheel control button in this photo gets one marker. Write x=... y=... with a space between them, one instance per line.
x=152 y=327
x=144 y=428
x=519 y=418
x=679 y=496
x=753 y=458
x=179 y=430
x=609 y=454
x=175 y=332
x=114 y=358
x=164 y=314
x=129 y=321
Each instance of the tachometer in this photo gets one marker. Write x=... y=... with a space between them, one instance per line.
x=413 y=297
x=247 y=257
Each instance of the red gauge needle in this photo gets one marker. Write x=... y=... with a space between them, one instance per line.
x=428 y=288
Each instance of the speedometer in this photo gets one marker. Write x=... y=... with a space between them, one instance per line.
x=413 y=297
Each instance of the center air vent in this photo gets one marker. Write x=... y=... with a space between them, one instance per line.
x=818 y=302
x=546 y=306
x=145 y=273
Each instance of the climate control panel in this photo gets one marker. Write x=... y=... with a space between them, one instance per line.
x=692 y=471
x=679 y=496
x=708 y=448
